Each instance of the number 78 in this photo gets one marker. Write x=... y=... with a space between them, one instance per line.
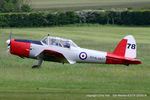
x=132 y=46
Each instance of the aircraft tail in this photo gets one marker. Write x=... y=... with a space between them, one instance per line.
x=126 y=47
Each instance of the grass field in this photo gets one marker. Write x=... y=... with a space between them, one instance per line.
x=88 y=4
x=71 y=82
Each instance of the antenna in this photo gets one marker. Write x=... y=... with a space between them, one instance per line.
x=50 y=33
x=48 y=38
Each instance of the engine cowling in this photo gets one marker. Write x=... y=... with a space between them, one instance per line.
x=21 y=49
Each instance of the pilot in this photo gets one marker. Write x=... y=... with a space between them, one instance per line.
x=54 y=42
x=67 y=44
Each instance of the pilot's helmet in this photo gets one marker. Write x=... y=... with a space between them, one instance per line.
x=67 y=42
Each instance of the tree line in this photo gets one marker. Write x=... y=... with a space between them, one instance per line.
x=37 y=19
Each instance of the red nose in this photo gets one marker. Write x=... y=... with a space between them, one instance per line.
x=21 y=49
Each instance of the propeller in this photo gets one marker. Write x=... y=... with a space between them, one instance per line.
x=8 y=43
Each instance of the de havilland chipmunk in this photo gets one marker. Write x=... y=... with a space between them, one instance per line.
x=62 y=50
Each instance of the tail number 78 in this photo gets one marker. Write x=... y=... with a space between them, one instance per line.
x=132 y=46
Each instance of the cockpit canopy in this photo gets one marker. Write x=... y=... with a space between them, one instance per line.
x=56 y=41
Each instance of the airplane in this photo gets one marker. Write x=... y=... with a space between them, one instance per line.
x=62 y=50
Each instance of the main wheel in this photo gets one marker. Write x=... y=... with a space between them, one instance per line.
x=35 y=66
x=127 y=64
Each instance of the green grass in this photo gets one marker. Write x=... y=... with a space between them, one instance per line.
x=87 y=4
x=57 y=82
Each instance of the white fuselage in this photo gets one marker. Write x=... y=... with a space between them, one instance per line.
x=73 y=54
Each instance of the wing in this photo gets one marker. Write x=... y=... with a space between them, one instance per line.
x=51 y=55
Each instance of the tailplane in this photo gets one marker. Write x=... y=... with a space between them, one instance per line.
x=126 y=47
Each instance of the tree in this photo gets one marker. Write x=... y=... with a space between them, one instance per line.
x=14 y=5
x=25 y=8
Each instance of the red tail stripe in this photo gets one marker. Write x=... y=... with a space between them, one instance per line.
x=121 y=48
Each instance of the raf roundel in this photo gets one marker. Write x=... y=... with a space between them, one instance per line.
x=82 y=55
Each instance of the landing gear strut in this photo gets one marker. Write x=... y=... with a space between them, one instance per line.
x=40 y=60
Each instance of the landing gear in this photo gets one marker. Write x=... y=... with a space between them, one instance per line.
x=35 y=66
x=127 y=64
x=40 y=60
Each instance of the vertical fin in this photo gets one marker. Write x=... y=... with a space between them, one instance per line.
x=126 y=47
